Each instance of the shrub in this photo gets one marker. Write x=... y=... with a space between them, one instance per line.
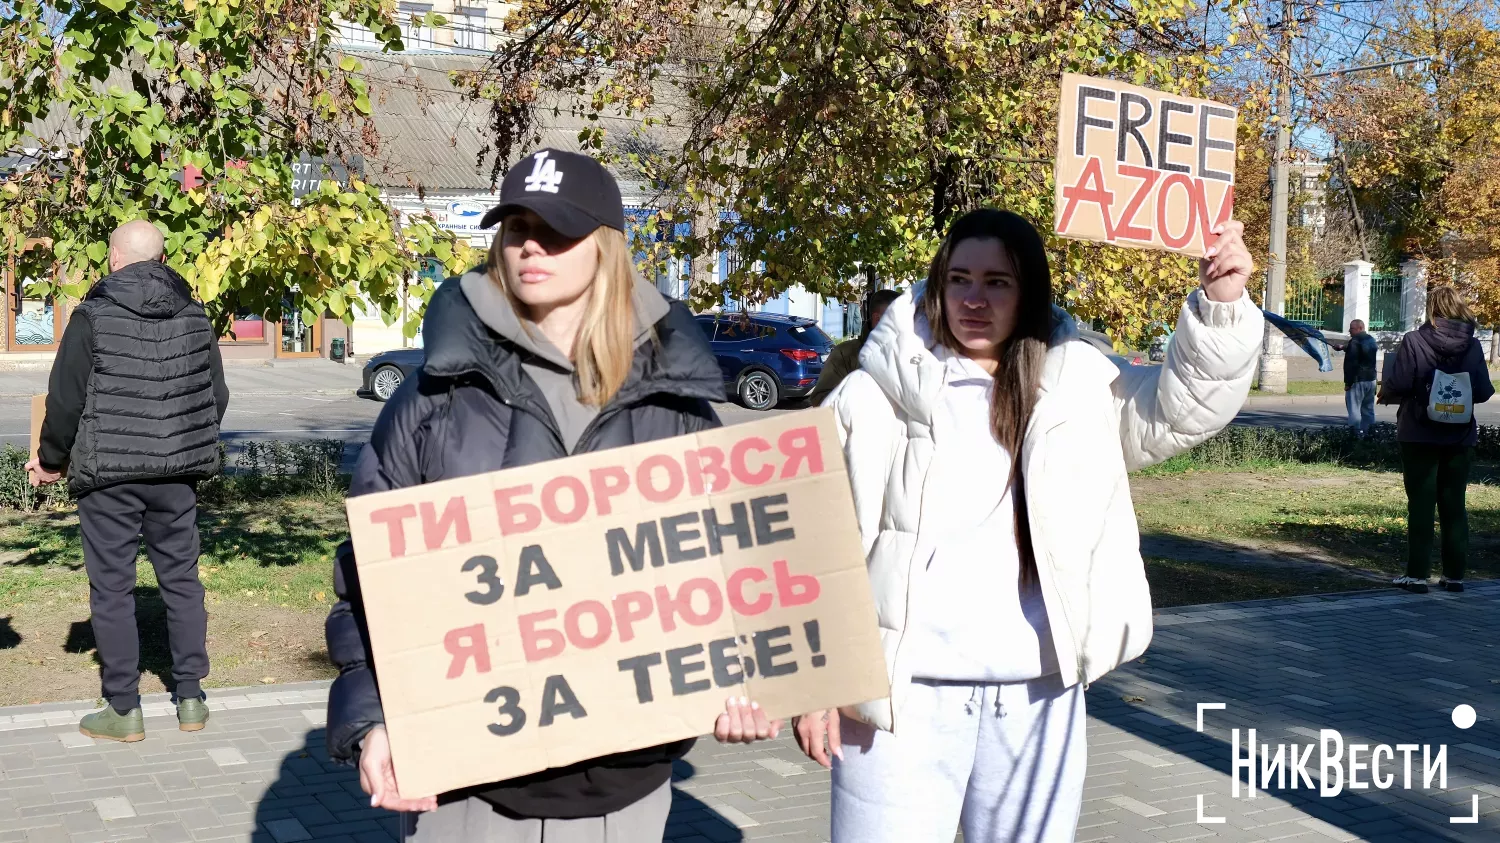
x=1241 y=445
x=262 y=470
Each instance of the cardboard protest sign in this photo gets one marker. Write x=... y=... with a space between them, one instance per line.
x=1141 y=168
x=540 y=616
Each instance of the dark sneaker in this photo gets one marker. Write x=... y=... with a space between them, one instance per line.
x=113 y=726
x=1413 y=584
x=1454 y=586
x=192 y=714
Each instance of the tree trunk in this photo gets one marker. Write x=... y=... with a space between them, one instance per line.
x=1495 y=344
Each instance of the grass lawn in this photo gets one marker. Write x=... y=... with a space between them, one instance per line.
x=1208 y=536
x=1315 y=387
x=267 y=569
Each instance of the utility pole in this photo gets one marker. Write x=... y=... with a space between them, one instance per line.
x=1272 y=362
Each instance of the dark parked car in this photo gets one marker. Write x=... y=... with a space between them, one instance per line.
x=388 y=369
x=766 y=358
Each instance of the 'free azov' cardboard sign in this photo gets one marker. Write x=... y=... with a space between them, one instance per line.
x=1142 y=168
x=540 y=616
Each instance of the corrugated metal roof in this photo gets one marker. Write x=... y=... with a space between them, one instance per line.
x=434 y=136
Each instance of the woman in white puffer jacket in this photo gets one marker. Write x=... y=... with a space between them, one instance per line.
x=1004 y=585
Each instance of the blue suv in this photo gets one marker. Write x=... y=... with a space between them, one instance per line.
x=766 y=357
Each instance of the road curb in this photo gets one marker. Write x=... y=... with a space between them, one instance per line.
x=1294 y=399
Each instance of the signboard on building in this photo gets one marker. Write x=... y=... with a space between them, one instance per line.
x=309 y=172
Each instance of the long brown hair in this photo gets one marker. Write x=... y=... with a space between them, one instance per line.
x=1018 y=376
x=605 y=347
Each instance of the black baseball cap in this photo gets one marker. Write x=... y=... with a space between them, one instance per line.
x=572 y=193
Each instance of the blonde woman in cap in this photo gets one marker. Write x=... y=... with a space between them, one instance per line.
x=554 y=347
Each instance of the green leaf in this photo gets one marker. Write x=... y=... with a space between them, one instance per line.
x=116 y=6
x=97 y=251
x=362 y=104
x=348 y=64
x=146 y=27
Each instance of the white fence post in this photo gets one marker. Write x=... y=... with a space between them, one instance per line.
x=1413 y=294
x=1357 y=292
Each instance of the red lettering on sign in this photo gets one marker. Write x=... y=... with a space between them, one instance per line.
x=735 y=586
x=516 y=517
x=465 y=643
x=435 y=528
x=645 y=478
x=706 y=463
x=540 y=644
x=1200 y=205
x=1084 y=192
x=741 y=469
x=794 y=589
x=602 y=628
x=394 y=519
x=1124 y=226
x=1171 y=240
x=630 y=607
x=608 y=482
x=580 y=495
x=800 y=445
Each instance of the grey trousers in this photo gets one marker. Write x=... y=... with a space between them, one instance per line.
x=475 y=821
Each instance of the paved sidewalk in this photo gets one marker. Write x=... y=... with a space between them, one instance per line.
x=1381 y=667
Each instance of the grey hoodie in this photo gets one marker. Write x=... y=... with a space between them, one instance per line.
x=546 y=364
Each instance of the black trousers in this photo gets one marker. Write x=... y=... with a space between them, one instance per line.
x=113 y=521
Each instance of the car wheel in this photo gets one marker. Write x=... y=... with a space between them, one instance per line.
x=759 y=391
x=385 y=382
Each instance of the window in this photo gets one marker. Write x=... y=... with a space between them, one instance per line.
x=415 y=34
x=354 y=35
x=469 y=29
x=707 y=326
x=811 y=335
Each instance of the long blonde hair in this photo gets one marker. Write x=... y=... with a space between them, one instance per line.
x=605 y=347
x=1446 y=303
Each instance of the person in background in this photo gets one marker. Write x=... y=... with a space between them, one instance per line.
x=988 y=448
x=133 y=410
x=1436 y=455
x=1359 y=377
x=553 y=347
x=845 y=357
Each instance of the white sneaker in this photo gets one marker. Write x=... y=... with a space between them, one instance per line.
x=1415 y=585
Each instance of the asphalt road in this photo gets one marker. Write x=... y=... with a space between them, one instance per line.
x=349 y=418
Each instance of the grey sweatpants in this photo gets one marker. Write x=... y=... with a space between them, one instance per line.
x=1359 y=401
x=474 y=820
x=1004 y=760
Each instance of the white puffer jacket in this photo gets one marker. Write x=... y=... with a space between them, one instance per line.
x=1093 y=422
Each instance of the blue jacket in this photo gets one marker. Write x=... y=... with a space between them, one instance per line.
x=1359 y=359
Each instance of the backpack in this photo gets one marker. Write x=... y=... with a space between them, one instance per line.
x=1451 y=399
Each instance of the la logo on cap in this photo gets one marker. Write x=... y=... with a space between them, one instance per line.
x=544 y=174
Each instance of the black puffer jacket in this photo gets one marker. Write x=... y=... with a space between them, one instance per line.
x=472 y=410
x=137 y=389
x=1442 y=344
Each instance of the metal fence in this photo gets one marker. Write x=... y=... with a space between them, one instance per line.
x=1317 y=302
x=1385 y=301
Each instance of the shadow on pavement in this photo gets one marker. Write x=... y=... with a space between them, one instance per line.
x=315 y=799
x=1350 y=669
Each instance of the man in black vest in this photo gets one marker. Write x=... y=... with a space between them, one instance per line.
x=133 y=410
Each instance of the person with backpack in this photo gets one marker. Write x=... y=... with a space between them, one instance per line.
x=988 y=451
x=553 y=347
x=1439 y=375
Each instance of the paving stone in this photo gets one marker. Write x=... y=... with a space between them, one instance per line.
x=114 y=808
